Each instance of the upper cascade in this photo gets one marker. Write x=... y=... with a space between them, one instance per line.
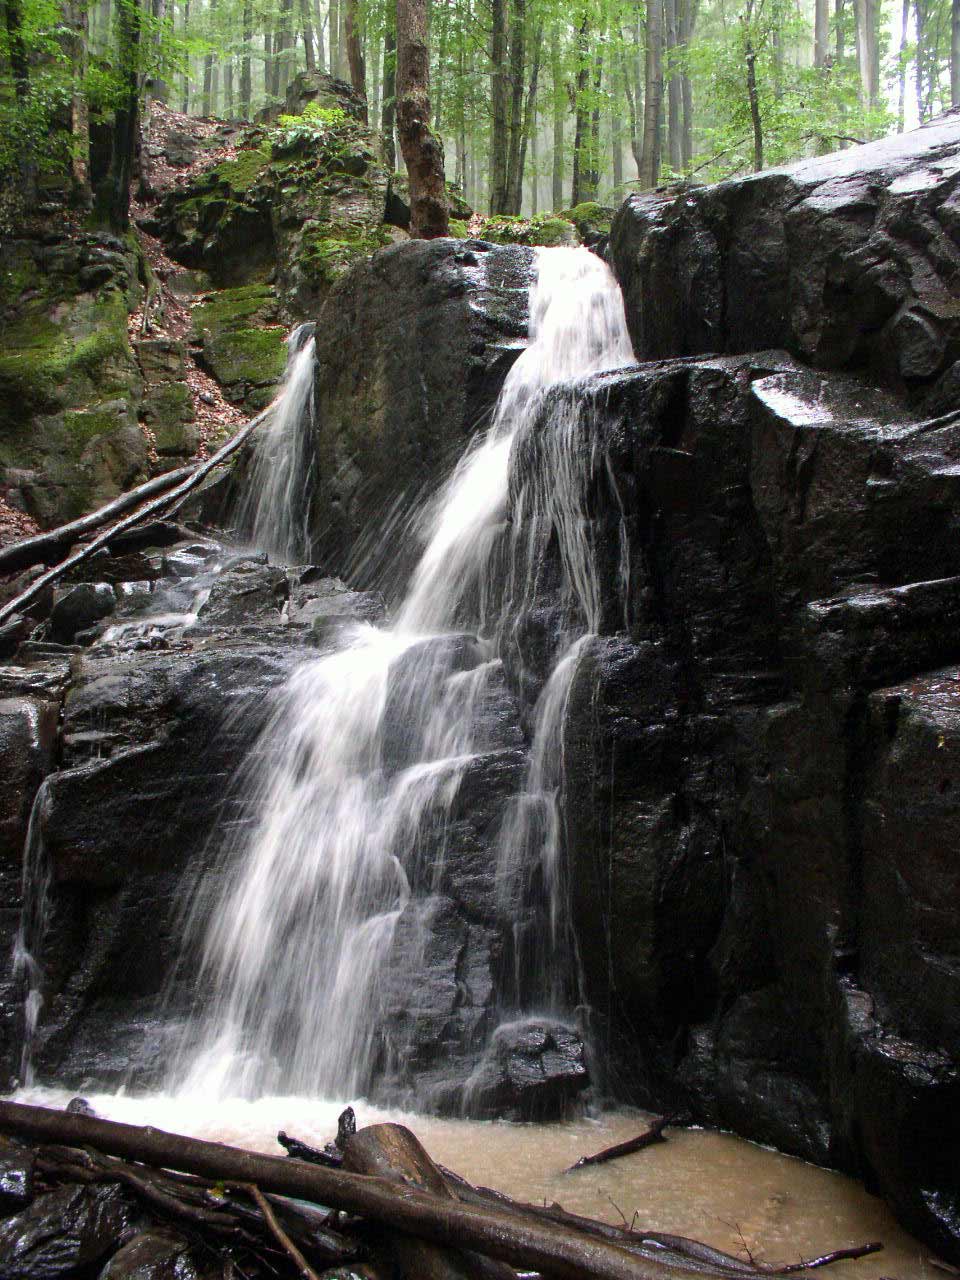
x=367 y=747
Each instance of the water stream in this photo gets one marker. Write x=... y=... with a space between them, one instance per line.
x=296 y=945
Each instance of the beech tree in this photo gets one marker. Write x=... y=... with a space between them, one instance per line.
x=422 y=150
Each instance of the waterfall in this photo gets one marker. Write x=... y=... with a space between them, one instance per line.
x=34 y=917
x=274 y=505
x=366 y=745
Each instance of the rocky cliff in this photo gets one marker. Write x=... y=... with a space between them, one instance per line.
x=763 y=740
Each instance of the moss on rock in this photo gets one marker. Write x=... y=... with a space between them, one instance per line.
x=241 y=344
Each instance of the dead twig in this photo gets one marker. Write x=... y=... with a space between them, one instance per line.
x=270 y=1218
x=649 y=1138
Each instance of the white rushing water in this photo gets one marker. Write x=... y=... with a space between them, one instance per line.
x=295 y=947
x=274 y=511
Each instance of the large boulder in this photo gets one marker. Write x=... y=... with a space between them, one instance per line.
x=847 y=260
x=758 y=749
x=413 y=346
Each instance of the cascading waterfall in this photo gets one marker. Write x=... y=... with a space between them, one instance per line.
x=274 y=509
x=367 y=744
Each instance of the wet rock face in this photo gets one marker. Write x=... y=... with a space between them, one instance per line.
x=64 y=1231
x=759 y=762
x=412 y=348
x=846 y=260
x=533 y=1070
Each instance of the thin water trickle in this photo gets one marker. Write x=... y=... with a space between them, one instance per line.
x=368 y=744
x=274 y=511
x=27 y=966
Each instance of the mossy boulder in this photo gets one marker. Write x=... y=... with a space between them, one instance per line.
x=241 y=344
x=592 y=220
x=69 y=383
x=265 y=214
x=166 y=409
x=544 y=230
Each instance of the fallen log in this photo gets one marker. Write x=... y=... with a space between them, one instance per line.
x=43 y=546
x=392 y=1152
x=524 y=1242
x=180 y=491
x=648 y=1138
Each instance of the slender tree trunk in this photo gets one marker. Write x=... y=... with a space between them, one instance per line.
x=358 y=70
x=205 y=102
x=581 y=126
x=632 y=115
x=422 y=151
x=921 y=26
x=517 y=61
x=285 y=41
x=616 y=149
x=185 y=79
x=499 y=82
x=388 y=113
x=955 y=53
x=529 y=118
x=556 y=193
x=688 y=19
x=126 y=116
x=75 y=42
x=653 y=96
x=753 y=97
x=592 y=188
x=307 y=24
x=246 y=87
x=674 y=104
x=865 y=14
x=534 y=174
x=320 y=23
x=333 y=29
x=902 y=73
x=821 y=32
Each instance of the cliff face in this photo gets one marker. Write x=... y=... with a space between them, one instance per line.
x=762 y=746
x=767 y=869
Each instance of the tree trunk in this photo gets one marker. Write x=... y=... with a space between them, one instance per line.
x=284 y=45
x=653 y=96
x=590 y=181
x=631 y=109
x=319 y=23
x=753 y=98
x=821 y=32
x=581 y=127
x=246 y=86
x=556 y=193
x=498 y=137
x=674 y=104
x=529 y=119
x=421 y=149
x=955 y=53
x=126 y=120
x=866 y=24
x=388 y=112
x=185 y=79
x=358 y=70
x=688 y=20
x=75 y=42
x=333 y=32
x=307 y=23
x=517 y=63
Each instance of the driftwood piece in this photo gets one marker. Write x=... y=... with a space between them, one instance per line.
x=650 y=1137
x=270 y=1218
x=525 y=1242
x=311 y=1155
x=43 y=548
x=392 y=1152
x=151 y=508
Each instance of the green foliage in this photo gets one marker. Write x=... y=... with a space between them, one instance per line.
x=316 y=124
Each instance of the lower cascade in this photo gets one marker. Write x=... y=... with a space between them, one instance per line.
x=326 y=902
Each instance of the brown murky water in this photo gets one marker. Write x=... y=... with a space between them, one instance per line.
x=713 y=1187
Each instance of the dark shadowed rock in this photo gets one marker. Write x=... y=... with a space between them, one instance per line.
x=159 y=1254
x=78 y=608
x=533 y=1070
x=391 y=417
x=246 y=592
x=64 y=1231
x=846 y=260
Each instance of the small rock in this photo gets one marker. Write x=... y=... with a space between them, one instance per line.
x=16 y=1176
x=79 y=608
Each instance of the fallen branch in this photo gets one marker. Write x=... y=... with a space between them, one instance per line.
x=151 y=508
x=522 y=1241
x=43 y=546
x=270 y=1218
x=649 y=1138
x=838 y=1255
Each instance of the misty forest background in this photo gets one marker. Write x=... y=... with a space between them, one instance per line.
x=540 y=104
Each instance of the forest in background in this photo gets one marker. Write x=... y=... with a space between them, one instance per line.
x=540 y=105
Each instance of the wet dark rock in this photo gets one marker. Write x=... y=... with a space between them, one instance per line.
x=327 y=607
x=391 y=422
x=77 y=608
x=64 y=1231
x=16 y=1176
x=159 y=1254
x=245 y=592
x=755 y=748
x=533 y=1070
x=151 y=742
x=846 y=260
